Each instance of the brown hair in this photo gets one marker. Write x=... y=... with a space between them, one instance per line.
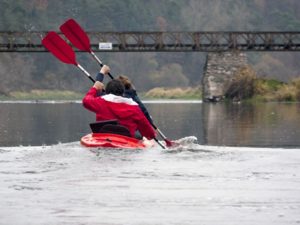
x=115 y=87
x=125 y=81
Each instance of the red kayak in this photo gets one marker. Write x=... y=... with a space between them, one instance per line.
x=108 y=140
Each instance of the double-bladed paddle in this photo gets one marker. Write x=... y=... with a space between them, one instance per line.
x=78 y=37
x=61 y=50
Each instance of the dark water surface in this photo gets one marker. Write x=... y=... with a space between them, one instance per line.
x=264 y=124
x=196 y=183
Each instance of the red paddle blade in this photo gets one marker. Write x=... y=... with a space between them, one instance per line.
x=76 y=35
x=59 y=48
x=169 y=143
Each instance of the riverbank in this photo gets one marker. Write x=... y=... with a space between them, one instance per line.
x=246 y=85
x=273 y=90
x=190 y=93
x=154 y=94
x=244 y=88
x=35 y=95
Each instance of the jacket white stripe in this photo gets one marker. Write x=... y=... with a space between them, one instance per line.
x=118 y=99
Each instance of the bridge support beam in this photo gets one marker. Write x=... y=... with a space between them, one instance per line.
x=218 y=72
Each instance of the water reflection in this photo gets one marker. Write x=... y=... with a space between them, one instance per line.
x=178 y=120
x=265 y=124
x=38 y=124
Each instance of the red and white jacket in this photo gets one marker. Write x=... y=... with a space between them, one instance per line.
x=125 y=110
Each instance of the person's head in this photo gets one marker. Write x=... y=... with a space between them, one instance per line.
x=125 y=81
x=115 y=87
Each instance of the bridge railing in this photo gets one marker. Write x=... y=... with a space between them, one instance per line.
x=164 y=41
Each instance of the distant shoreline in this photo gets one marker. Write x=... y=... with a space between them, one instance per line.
x=58 y=95
x=158 y=101
x=264 y=91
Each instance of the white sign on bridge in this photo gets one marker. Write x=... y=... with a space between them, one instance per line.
x=105 y=46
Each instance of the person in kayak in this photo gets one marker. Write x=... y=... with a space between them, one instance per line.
x=113 y=105
x=129 y=92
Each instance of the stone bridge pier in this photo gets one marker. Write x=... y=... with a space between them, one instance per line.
x=218 y=72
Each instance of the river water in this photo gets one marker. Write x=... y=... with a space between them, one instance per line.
x=243 y=169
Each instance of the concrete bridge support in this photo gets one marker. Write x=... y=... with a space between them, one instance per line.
x=218 y=72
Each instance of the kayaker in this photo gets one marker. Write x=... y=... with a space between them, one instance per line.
x=129 y=92
x=113 y=105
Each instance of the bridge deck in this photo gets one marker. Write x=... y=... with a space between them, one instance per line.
x=164 y=41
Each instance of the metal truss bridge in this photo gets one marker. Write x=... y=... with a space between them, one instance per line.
x=164 y=41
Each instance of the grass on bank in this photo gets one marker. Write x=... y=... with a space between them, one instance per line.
x=156 y=93
x=272 y=90
x=246 y=85
x=174 y=93
x=43 y=95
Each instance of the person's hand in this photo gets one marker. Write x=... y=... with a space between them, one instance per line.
x=105 y=69
x=98 y=85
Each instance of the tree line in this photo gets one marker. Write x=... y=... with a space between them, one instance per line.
x=25 y=71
